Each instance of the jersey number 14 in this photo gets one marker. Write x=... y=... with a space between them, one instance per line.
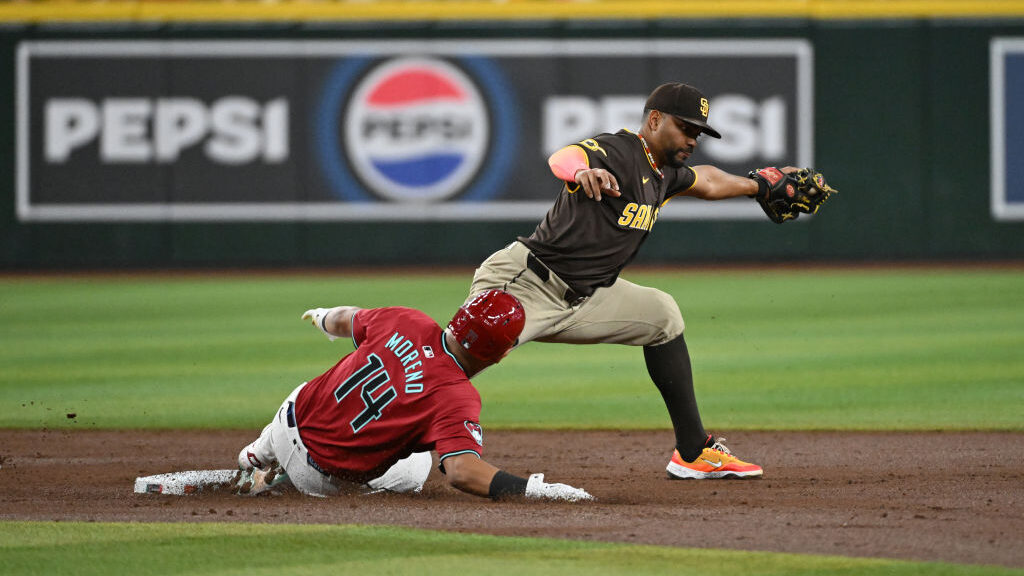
x=369 y=379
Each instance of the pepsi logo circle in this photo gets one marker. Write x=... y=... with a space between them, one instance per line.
x=416 y=130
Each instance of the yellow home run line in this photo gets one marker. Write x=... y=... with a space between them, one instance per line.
x=454 y=10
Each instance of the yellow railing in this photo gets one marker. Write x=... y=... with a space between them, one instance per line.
x=411 y=10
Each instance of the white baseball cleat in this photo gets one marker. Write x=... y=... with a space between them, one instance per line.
x=258 y=453
x=247 y=459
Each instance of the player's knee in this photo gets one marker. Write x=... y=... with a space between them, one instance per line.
x=407 y=475
x=669 y=321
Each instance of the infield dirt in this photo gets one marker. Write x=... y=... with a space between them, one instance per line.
x=942 y=496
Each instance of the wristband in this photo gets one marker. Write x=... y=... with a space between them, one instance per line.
x=762 y=185
x=504 y=484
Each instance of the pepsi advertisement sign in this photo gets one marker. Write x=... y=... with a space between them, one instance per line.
x=415 y=129
x=398 y=130
x=422 y=144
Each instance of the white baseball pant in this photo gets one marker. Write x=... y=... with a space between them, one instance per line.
x=280 y=441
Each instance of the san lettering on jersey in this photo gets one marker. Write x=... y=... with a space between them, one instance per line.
x=587 y=243
x=635 y=215
x=639 y=216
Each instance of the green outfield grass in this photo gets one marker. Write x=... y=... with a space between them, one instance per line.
x=772 y=349
x=82 y=549
x=819 y=349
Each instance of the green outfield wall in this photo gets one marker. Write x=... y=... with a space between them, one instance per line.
x=175 y=139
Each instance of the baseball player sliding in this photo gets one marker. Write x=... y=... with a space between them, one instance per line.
x=368 y=423
x=566 y=274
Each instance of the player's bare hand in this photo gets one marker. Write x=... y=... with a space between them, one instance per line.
x=598 y=181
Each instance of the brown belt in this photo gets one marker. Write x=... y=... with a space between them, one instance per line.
x=571 y=296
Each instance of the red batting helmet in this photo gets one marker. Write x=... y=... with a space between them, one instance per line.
x=489 y=324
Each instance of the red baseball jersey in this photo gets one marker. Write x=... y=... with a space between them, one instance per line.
x=401 y=391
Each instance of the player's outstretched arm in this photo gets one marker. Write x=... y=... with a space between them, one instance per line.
x=469 y=473
x=716 y=184
x=333 y=322
x=475 y=476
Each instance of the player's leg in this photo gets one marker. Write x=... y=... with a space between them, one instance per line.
x=626 y=313
x=407 y=475
x=282 y=457
x=670 y=369
x=542 y=299
x=623 y=313
x=294 y=457
x=258 y=467
x=258 y=453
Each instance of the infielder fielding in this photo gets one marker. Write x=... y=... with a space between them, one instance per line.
x=566 y=274
x=368 y=423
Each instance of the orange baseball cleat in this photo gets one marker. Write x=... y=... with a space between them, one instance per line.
x=716 y=461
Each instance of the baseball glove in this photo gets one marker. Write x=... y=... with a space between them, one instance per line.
x=784 y=196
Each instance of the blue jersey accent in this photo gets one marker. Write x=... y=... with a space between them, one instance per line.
x=444 y=344
x=441 y=458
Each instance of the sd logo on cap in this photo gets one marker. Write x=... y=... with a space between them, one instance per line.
x=684 y=102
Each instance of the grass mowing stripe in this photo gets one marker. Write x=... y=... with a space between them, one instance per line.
x=116 y=549
x=846 y=349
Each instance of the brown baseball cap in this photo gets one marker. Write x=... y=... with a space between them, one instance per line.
x=684 y=102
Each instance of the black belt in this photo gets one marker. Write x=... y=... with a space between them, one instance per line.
x=290 y=416
x=571 y=296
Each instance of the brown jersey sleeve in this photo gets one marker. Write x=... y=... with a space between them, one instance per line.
x=678 y=181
